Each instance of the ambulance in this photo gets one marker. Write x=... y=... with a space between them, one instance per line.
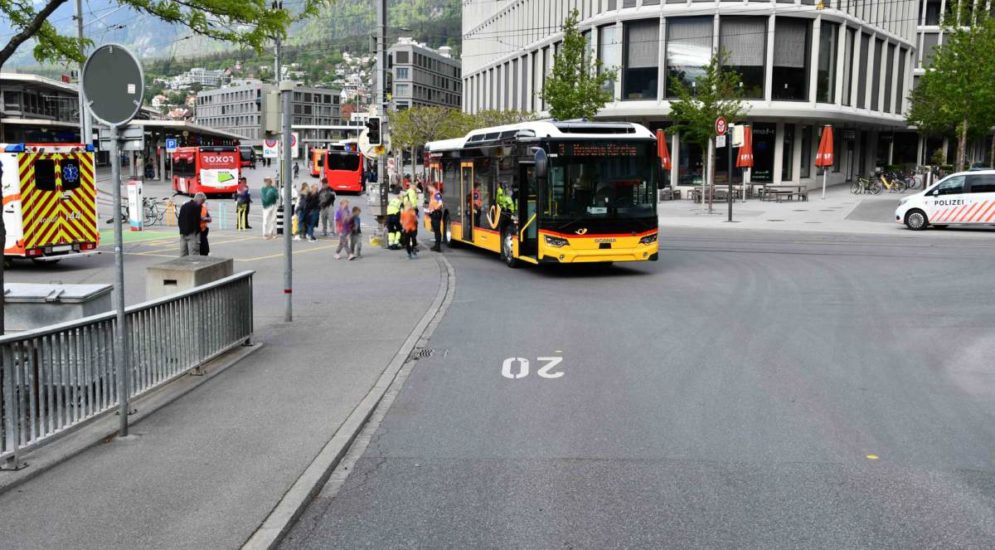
x=49 y=200
x=963 y=198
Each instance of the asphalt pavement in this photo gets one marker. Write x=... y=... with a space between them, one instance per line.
x=750 y=390
x=206 y=470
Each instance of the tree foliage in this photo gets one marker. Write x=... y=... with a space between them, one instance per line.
x=957 y=92
x=417 y=126
x=577 y=87
x=247 y=22
x=715 y=93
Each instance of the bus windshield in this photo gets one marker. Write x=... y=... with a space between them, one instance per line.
x=343 y=161
x=601 y=180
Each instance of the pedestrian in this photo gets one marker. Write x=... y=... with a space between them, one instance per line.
x=205 y=218
x=297 y=169
x=326 y=202
x=394 y=224
x=435 y=208
x=270 y=198
x=357 y=234
x=411 y=196
x=312 y=210
x=409 y=226
x=300 y=211
x=343 y=224
x=188 y=222
x=242 y=200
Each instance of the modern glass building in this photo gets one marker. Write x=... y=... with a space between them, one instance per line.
x=803 y=64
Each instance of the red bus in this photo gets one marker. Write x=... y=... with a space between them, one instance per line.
x=344 y=168
x=209 y=170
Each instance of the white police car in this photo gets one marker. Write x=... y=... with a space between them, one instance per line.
x=961 y=198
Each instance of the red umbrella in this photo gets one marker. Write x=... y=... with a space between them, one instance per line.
x=661 y=150
x=824 y=158
x=825 y=154
x=745 y=157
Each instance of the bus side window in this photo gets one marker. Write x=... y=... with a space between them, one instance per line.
x=45 y=175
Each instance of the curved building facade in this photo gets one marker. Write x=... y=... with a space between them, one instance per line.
x=803 y=65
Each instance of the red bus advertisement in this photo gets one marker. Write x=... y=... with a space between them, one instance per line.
x=344 y=169
x=209 y=170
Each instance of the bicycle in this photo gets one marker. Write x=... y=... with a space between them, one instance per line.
x=865 y=185
x=151 y=212
x=892 y=183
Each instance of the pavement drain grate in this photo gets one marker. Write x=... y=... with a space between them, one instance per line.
x=775 y=220
x=421 y=353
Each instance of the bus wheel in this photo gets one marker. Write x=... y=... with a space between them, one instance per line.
x=508 y=249
x=447 y=232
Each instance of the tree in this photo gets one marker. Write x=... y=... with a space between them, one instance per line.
x=577 y=87
x=247 y=22
x=715 y=93
x=957 y=92
x=412 y=128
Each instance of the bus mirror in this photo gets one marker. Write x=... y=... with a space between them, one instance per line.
x=542 y=163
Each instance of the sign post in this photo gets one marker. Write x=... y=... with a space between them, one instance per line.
x=729 y=134
x=113 y=87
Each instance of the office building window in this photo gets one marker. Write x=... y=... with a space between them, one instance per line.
x=689 y=50
x=642 y=43
x=929 y=42
x=402 y=73
x=888 y=73
x=610 y=52
x=865 y=44
x=876 y=75
x=791 y=54
x=848 y=65
x=743 y=39
x=903 y=55
x=826 y=86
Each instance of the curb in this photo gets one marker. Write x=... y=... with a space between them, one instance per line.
x=105 y=427
x=293 y=503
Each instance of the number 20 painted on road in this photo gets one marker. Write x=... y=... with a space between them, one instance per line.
x=509 y=371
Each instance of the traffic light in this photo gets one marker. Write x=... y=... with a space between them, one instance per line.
x=373 y=127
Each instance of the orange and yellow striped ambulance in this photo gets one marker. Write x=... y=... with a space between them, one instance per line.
x=49 y=199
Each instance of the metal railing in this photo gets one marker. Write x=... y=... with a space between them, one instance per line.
x=56 y=378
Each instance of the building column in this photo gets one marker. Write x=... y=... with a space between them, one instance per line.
x=778 y=152
x=769 y=61
x=675 y=151
x=796 y=157
x=813 y=72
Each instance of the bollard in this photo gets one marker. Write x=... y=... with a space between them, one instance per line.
x=279 y=220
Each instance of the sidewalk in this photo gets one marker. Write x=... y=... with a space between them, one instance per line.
x=206 y=470
x=839 y=212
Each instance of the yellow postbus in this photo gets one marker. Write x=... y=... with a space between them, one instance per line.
x=551 y=192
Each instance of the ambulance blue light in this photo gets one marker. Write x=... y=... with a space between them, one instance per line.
x=89 y=148
x=19 y=148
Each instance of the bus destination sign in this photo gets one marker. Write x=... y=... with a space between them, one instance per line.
x=598 y=149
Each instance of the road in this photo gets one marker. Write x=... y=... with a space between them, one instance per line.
x=756 y=390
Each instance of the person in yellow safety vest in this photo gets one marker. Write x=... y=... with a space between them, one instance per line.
x=394 y=224
x=504 y=200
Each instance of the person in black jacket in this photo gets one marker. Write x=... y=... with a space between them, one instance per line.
x=189 y=224
x=312 y=209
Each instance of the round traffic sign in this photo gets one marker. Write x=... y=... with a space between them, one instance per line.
x=721 y=126
x=113 y=84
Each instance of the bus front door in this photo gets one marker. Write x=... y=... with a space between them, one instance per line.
x=466 y=194
x=528 y=208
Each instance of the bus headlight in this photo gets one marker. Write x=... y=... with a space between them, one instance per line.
x=556 y=242
x=648 y=239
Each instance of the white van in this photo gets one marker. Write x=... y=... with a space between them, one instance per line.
x=961 y=198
